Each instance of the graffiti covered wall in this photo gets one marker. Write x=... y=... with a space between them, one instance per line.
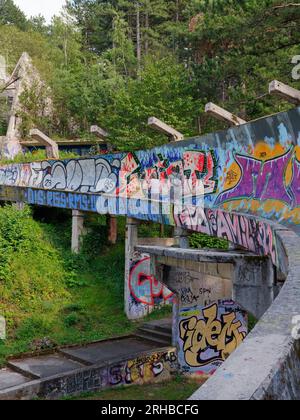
x=254 y=168
x=145 y=292
x=208 y=335
x=154 y=367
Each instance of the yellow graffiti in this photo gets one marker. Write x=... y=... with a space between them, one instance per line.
x=223 y=336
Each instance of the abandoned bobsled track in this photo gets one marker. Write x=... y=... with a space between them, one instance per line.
x=251 y=179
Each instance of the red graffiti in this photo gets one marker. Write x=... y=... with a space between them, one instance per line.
x=144 y=287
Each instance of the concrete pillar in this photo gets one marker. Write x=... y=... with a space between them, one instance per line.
x=182 y=236
x=131 y=241
x=77 y=230
x=20 y=205
x=112 y=223
x=253 y=285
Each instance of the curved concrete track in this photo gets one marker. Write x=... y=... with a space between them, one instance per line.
x=251 y=180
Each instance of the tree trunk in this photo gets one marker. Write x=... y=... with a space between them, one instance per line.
x=147 y=33
x=138 y=38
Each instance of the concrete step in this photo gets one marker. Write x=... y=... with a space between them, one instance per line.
x=152 y=339
x=163 y=325
x=105 y=351
x=161 y=335
x=43 y=366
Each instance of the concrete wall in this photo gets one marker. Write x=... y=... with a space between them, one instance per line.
x=207 y=324
x=267 y=365
x=152 y=367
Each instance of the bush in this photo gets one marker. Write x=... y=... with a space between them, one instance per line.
x=199 y=240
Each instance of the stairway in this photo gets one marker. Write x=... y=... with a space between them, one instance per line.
x=158 y=332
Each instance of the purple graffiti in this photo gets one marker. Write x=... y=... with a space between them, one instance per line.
x=295 y=185
x=260 y=180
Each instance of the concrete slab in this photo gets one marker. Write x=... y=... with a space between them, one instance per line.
x=44 y=366
x=108 y=350
x=165 y=323
x=9 y=379
x=196 y=255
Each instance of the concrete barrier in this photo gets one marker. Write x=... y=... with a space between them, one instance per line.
x=267 y=364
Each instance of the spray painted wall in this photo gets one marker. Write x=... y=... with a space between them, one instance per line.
x=144 y=293
x=208 y=335
x=253 y=168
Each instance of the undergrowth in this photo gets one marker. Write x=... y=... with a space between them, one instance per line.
x=46 y=291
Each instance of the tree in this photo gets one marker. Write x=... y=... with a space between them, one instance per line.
x=10 y=14
x=163 y=91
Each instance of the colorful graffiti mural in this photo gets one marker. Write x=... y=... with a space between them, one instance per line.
x=156 y=367
x=121 y=174
x=145 y=288
x=259 y=174
x=209 y=335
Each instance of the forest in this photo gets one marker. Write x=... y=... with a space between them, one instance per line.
x=115 y=63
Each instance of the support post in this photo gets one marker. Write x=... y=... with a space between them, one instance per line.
x=182 y=237
x=223 y=115
x=131 y=241
x=163 y=128
x=112 y=223
x=51 y=146
x=99 y=132
x=285 y=92
x=77 y=230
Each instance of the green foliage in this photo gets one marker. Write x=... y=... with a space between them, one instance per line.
x=50 y=295
x=163 y=91
x=199 y=240
x=116 y=63
x=10 y=14
x=35 y=156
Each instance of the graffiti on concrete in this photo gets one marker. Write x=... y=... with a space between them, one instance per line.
x=145 y=288
x=146 y=369
x=201 y=287
x=209 y=335
x=249 y=233
x=152 y=368
x=263 y=180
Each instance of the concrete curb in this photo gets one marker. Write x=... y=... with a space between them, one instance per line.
x=267 y=365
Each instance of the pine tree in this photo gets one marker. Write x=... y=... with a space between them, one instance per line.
x=10 y=14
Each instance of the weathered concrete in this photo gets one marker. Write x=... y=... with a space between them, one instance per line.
x=251 y=278
x=136 y=369
x=9 y=379
x=196 y=255
x=267 y=365
x=24 y=76
x=131 y=240
x=44 y=366
x=77 y=230
x=253 y=285
x=50 y=145
x=107 y=350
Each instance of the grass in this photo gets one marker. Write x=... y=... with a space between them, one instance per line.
x=178 y=389
x=48 y=292
x=35 y=156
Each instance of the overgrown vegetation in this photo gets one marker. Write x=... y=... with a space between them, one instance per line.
x=116 y=62
x=46 y=291
x=199 y=240
x=35 y=156
x=180 y=388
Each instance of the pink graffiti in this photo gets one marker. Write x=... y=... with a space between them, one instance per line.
x=251 y=234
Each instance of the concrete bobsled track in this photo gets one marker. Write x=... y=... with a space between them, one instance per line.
x=251 y=179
